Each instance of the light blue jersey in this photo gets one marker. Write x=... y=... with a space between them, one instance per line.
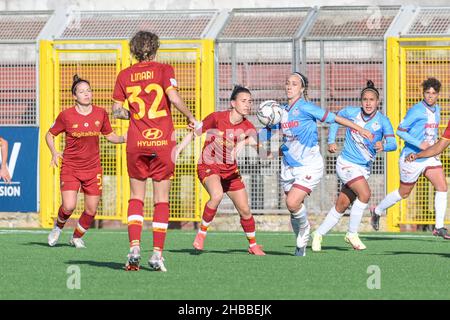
x=299 y=128
x=357 y=149
x=420 y=124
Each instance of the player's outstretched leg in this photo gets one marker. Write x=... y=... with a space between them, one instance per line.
x=135 y=222
x=83 y=225
x=133 y=259
x=160 y=224
x=207 y=217
x=354 y=241
x=327 y=224
x=250 y=232
x=301 y=228
x=61 y=220
x=374 y=219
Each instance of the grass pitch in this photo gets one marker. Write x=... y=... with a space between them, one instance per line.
x=411 y=266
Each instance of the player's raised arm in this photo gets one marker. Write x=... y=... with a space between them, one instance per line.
x=178 y=102
x=183 y=144
x=363 y=132
x=434 y=150
x=332 y=132
x=390 y=144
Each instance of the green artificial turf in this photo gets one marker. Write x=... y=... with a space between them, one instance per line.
x=411 y=266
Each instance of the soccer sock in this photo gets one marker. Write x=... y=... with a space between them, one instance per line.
x=356 y=214
x=330 y=221
x=299 y=220
x=160 y=223
x=135 y=221
x=249 y=229
x=388 y=201
x=440 y=205
x=83 y=224
x=63 y=216
x=207 y=218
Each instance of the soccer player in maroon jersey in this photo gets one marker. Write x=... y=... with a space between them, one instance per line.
x=217 y=169
x=82 y=124
x=150 y=88
x=4 y=172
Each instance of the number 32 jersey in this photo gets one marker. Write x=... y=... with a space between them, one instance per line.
x=145 y=86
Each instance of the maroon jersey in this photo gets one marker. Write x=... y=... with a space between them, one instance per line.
x=222 y=138
x=82 y=136
x=446 y=134
x=145 y=86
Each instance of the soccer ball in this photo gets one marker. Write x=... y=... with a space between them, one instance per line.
x=269 y=113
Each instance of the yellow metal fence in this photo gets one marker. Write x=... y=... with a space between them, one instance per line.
x=409 y=62
x=99 y=62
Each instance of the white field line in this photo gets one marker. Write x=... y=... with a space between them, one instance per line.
x=231 y=233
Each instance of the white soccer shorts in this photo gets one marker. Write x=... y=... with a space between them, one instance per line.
x=305 y=178
x=349 y=172
x=411 y=171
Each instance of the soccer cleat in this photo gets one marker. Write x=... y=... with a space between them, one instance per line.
x=199 y=240
x=133 y=259
x=374 y=219
x=77 y=243
x=54 y=236
x=300 y=251
x=354 y=240
x=303 y=236
x=256 y=250
x=441 y=232
x=302 y=240
x=156 y=263
x=316 y=244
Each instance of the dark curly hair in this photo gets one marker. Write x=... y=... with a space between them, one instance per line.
x=76 y=81
x=431 y=83
x=144 y=45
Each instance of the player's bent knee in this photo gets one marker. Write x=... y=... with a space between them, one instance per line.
x=216 y=198
x=292 y=206
x=69 y=209
x=364 y=197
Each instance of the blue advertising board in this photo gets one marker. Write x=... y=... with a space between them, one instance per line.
x=21 y=193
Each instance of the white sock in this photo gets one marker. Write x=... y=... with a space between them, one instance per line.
x=356 y=214
x=440 y=205
x=330 y=221
x=299 y=219
x=388 y=201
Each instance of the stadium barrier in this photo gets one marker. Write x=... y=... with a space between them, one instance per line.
x=338 y=48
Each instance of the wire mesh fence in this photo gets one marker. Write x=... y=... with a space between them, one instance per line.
x=18 y=82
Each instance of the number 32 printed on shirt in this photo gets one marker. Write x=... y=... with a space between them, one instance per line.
x=153 y=111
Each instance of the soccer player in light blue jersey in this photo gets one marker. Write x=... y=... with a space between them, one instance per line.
x=353 y=166
x=419 y=130
x=302 y=164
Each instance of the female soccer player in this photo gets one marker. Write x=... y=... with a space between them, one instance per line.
x=302 y=165
x=227 y=131
x=150 y=88
x=354 y=164
x=419 y=129
x=4 y=172
x=80 y=169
